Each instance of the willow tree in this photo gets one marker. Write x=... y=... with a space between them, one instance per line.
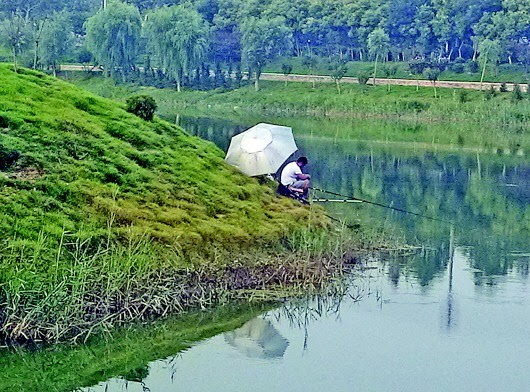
x=378 y=45
x=113 y=36
x=490 y=51
x=14 y=33
x=56 y=40
x=262 y=40
x=178 y=37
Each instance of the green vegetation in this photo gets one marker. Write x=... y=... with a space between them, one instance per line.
x=501 y=73
x=65 y=368
x=113 y=36
x=179 y=38
x=142 y=106
x=106 y=217
x=408 y=115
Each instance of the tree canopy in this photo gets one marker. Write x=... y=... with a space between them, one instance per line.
x=253 y=32
x=113 y=36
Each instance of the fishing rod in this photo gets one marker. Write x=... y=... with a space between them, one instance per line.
x=349 y=226
x=336 y=201
x=379 y=205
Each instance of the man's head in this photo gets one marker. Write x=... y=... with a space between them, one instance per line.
x=302 y=161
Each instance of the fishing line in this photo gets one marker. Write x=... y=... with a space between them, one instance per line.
x=380 y=205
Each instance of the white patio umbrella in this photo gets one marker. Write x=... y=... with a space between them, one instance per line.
x=261 y=149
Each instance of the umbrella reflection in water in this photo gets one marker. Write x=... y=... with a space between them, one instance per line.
x=258 y=339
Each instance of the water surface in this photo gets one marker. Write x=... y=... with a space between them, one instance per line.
x=454 y=316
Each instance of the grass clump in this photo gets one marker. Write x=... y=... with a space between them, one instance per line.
x=102 y=209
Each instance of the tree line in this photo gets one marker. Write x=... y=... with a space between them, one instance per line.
x=187 y=41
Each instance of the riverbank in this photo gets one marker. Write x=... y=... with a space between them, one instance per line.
x=108 y=219
x=508 y=73
x=455 y=118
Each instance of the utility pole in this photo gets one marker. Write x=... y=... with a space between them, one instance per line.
x=104 y=4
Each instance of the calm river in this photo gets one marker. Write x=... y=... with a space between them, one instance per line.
x=452 y=317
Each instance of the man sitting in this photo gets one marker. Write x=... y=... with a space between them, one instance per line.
x=293 y=178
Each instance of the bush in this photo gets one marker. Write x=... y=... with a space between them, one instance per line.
x=458 y=66
x=416 y=106
x=490 y=93
x=473 y=66
x=463 y=97
x=7 y=158
x=517 y=94
x=503 y=88
x=363 y=78
x=142 y=106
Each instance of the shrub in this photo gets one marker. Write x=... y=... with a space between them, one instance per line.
x=7 y=158
x=463 y=97
x=142 y=106
x=517 y=94
x=490 y=93
x=416 y=106
x=287 y=69
x=458 y=66
x=503 y=88
x=460 y=140
x=363 y=78
x=473 y=66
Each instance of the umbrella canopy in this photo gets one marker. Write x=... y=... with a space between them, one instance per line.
x=262 y=149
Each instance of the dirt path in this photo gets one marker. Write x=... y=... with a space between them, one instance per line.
x=349 y=80
x=394 y=82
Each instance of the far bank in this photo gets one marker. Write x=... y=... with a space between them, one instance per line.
x=459 y=118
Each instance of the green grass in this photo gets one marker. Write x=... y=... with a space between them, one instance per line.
x=102 y=202
x=502 y=73
x=370 y=113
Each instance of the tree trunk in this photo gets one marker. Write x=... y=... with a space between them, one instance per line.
x=178 y=85
x=375 y=67
x=338 y=85
x=36 y=56
x=483 y=71
x=15 y=59
x=256 y=84
x=435 y=92
x=417 y=83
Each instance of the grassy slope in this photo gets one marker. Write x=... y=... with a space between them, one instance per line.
x=102 y=165
x=115 y=200
x=403 y=114
x=503 y=73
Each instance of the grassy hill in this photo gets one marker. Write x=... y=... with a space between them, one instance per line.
x=96 y=203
